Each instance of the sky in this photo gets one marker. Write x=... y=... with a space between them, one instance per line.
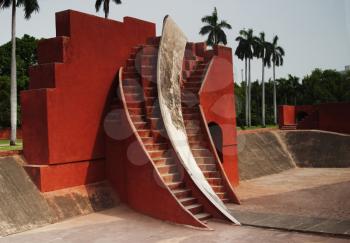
x=313 y=33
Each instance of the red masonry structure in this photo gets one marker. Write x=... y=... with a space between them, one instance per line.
x=65 y=105
x=92 y=114
x=334 y=117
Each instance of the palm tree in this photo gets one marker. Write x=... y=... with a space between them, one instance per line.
x=30 y=6
x=264 y=52
x=277 y=53
x=215 y=29
x=247 y=45
x=98 y=5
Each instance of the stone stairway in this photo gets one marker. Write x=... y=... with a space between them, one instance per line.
x=194 y=71
x=140 y=90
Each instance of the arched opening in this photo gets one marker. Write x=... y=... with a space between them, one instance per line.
x=216 y=134
x=301 y=115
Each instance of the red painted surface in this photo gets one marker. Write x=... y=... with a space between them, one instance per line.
x=134 y=176
x=217 y=100
x=286 y=115
x=60 y=176
x=334 y=117
x=62 y=112
x=5 y=133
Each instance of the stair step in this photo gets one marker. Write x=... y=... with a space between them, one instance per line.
x=171 y=177
x=225 y=200
x=149 y=50
x=199 y=144
x=144 y=132
x=163 y=161
x=164 y=169
x=190 y=110
x=141 y=125
x=221 y=195
x=188 y=201
x=130 y=62
x=211 y=174
x=201 y=152
x=195 y=208
x=153 y=41
x=207 y=167
x=157 y=153
x=156 y=146
x=182 y=193
x=218 y=189
x=205 y=160
x=202 y=216
x=136 y=110
x=138 y=118
x=149 y=60
x=214 y=181
x=148 y=70
x=195 y=137
x=175 y=185
x=131 y=75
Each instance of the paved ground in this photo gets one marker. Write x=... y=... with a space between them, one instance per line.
x=307 y=199
x=123 y=225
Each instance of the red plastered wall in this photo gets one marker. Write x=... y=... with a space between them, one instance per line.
x=63 y=110
x=217 y=100
x=333 y=117
x=79 y=67
x=286 y=115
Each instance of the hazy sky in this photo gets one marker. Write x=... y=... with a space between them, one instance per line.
x=314 y=33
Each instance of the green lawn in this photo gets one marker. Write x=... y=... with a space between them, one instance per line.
x=5 y=145
x=257 y=127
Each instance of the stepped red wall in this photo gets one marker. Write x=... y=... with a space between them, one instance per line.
x=63 y=110
x=218 y=102
x=334 y=117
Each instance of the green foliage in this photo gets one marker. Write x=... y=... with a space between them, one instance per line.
x=214 y=29
x=26 y=57
x=105 y=3
x=5 y=145
x=319 y=87
x=247 y=44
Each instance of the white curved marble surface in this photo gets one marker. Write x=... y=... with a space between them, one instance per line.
x=169 y=69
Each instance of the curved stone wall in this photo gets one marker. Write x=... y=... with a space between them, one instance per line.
x=170 y=60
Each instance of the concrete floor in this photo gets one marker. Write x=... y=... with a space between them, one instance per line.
x=310 y=199
x=124 y=225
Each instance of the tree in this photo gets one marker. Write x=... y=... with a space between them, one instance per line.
x=263 y=51
x=247 y=45
x=105 y=3
x=25 y=56
x=30 y=6
x=214 y=29
x=277 y=60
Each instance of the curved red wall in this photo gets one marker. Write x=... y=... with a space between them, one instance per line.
x=217 y=100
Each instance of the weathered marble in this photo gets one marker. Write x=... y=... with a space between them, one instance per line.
x=170 y=60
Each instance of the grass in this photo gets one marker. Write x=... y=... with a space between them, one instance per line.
x=5 y=145
x=257 y=127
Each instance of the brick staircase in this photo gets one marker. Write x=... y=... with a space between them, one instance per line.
x=194 y=69
x=139 y=86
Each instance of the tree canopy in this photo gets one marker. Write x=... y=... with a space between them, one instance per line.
x=321 y=86
x=26 y=56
